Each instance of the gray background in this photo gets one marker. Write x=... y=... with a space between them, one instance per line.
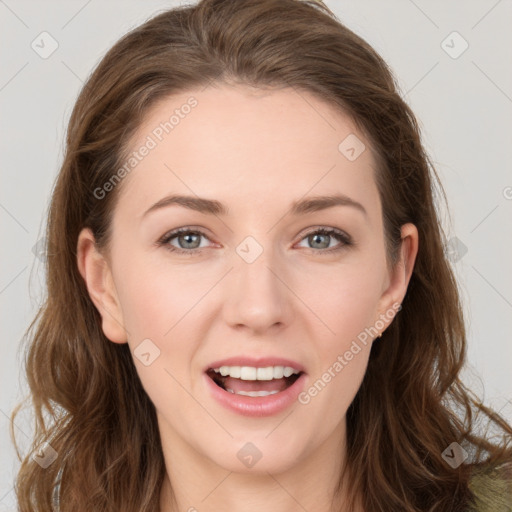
x=464 y=106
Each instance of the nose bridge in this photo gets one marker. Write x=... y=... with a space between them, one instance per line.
x=258 y=297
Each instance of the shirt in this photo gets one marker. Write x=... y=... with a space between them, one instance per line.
x=492 y=488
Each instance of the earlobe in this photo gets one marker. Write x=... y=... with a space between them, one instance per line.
x=97 y=275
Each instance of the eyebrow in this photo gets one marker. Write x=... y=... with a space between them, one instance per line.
x=214 y=207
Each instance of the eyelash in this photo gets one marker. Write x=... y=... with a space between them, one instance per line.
x=336 y=233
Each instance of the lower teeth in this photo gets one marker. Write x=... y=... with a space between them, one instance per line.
x=252 y=393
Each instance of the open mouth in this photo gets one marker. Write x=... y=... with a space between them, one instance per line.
x=252 y=388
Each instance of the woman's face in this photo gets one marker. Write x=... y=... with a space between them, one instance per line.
x=254 y=281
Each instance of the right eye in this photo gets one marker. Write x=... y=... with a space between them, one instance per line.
x=189 y=237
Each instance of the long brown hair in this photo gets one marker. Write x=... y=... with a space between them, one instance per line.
x=88 y=400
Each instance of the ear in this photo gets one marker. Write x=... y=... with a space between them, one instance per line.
x=96 y=272
x=399 y=275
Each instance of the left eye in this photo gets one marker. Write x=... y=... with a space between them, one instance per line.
x=192 y=239
x=316 y=236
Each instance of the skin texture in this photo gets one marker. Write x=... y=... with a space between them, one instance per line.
x=257 y=152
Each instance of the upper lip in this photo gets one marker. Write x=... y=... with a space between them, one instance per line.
x=261 y=362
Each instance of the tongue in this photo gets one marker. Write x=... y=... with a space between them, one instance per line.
x=255 y=385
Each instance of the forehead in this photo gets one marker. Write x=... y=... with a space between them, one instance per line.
x=246 y=147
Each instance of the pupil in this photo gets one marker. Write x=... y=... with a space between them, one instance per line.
x=187 y=238
x=319 y=235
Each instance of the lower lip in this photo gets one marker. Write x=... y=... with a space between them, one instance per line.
x=257 y=406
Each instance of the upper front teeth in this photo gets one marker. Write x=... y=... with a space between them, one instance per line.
x=251 y=373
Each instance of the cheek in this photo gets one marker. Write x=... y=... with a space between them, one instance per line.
x=347 y=307
x=342 y=363
x=146 y=311
x=155 y=309
x=346 y=298
x=162 y=306
x=154 y=298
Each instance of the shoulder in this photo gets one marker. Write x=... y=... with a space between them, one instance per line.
x=492 y=488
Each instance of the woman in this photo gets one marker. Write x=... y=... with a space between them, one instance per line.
x=253 y=369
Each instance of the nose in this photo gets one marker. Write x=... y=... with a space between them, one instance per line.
x=258 y=297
